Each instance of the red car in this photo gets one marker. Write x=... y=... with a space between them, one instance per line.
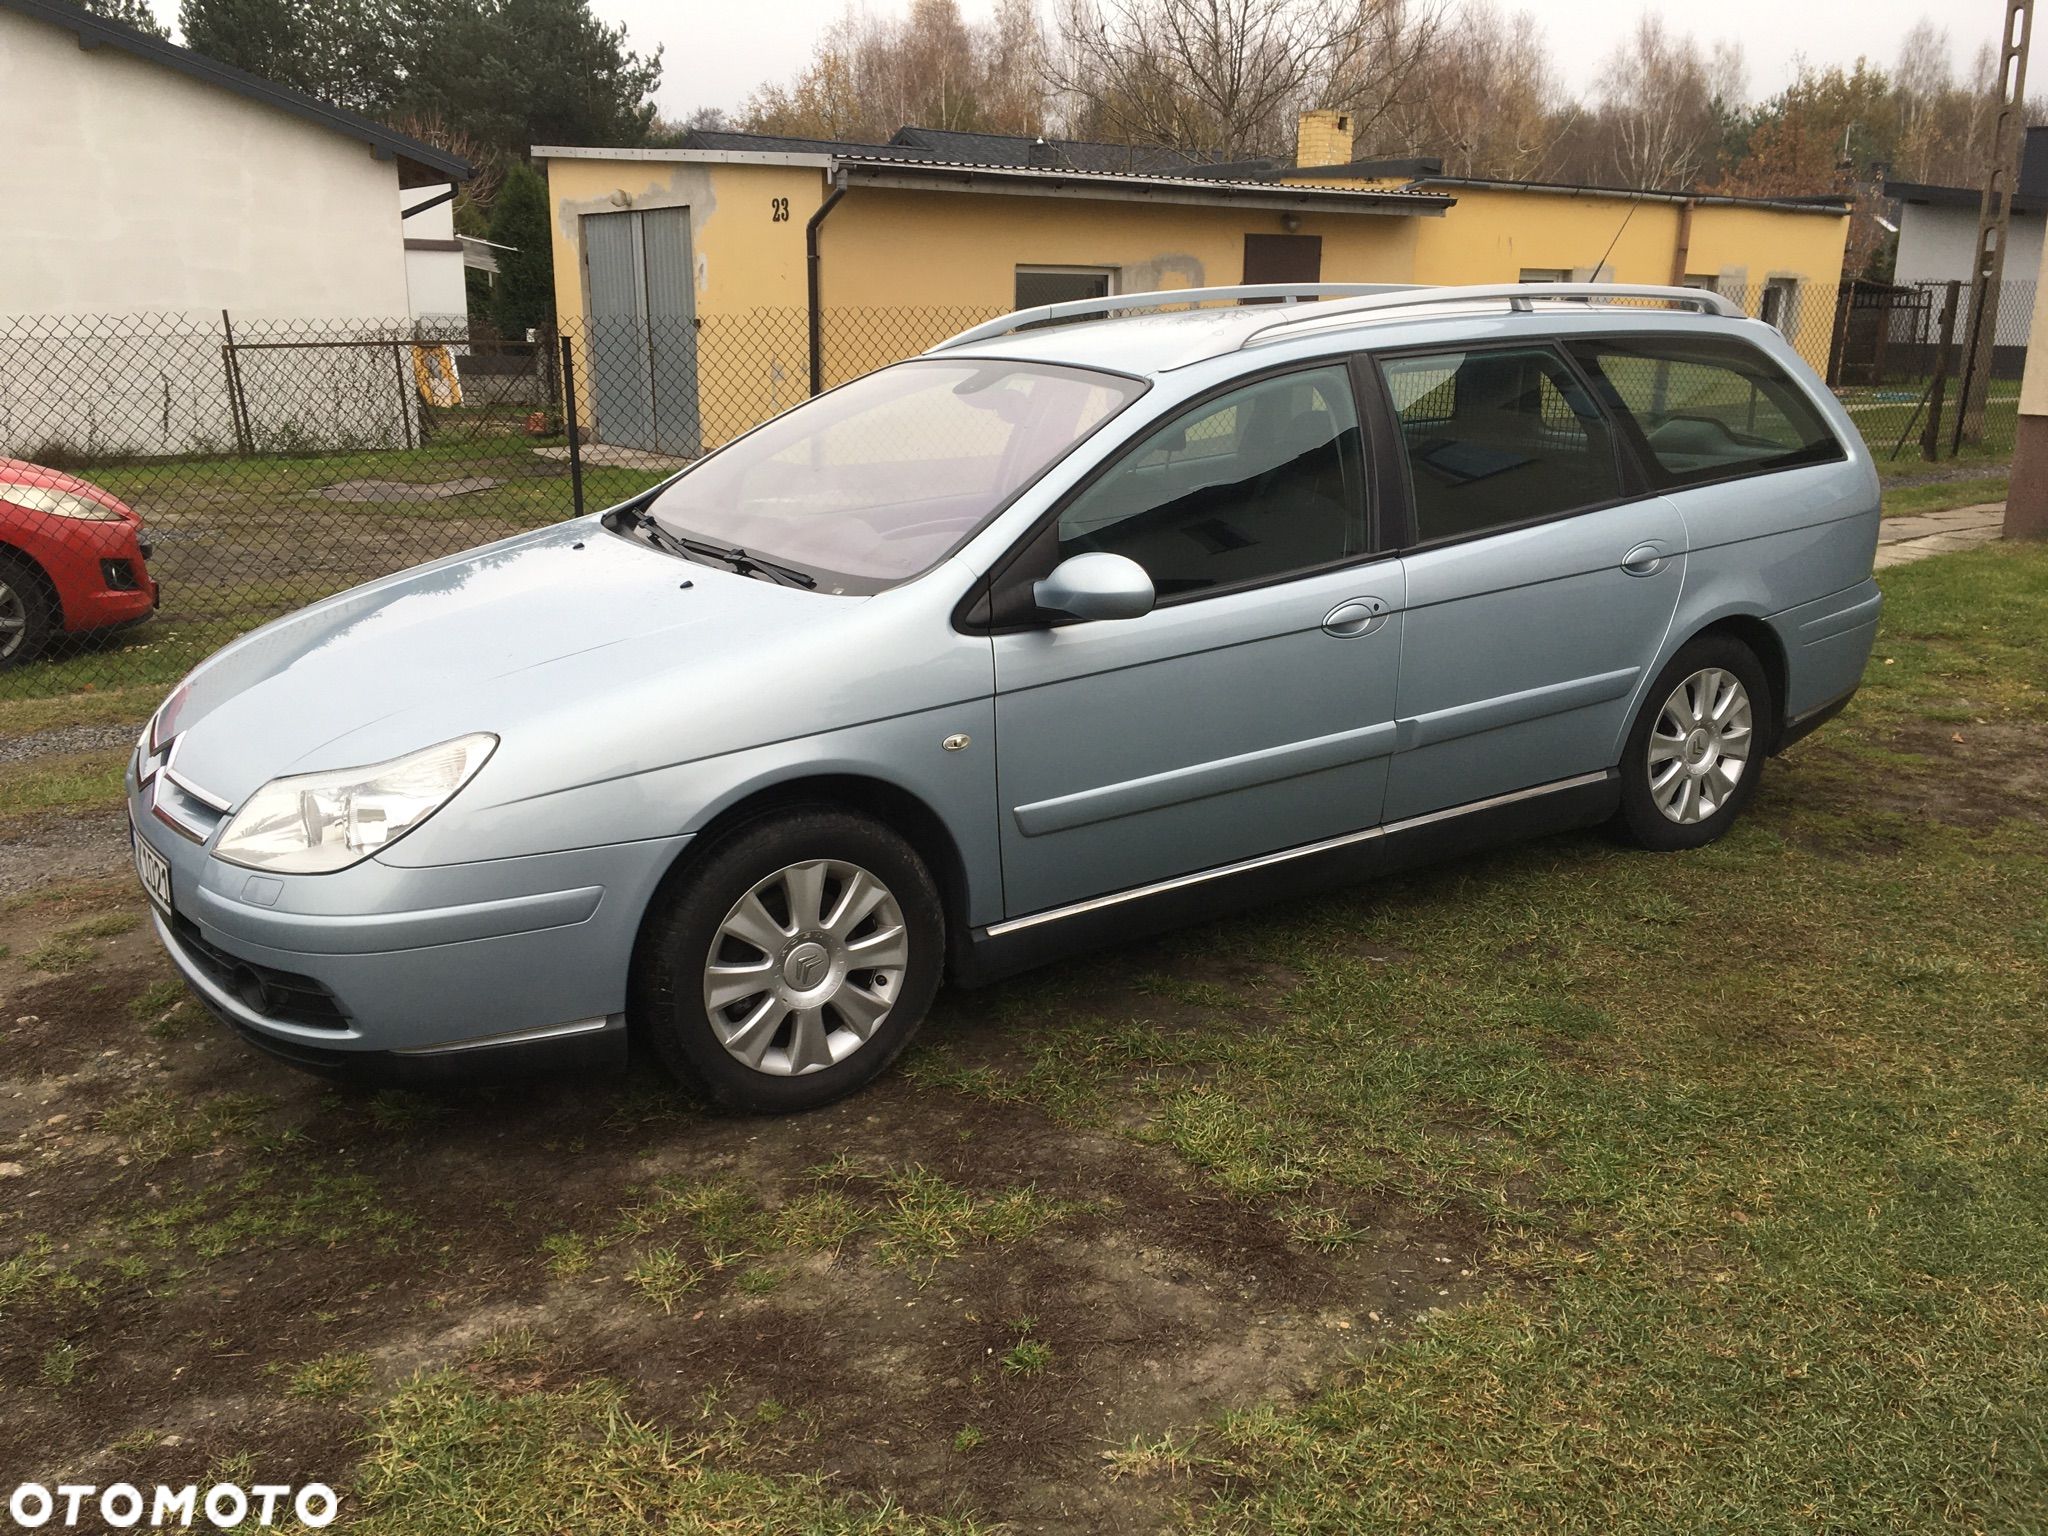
x=71 y=560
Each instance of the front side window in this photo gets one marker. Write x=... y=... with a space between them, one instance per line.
x=1254 y=484
x=1708 y=409
x=1496 y=438
x=881 y=479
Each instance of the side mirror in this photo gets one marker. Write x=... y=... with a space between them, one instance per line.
x=1096 y=586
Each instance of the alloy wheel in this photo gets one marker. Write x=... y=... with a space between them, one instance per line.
x=13 y=620
x=805 y=967
x=1700 y=745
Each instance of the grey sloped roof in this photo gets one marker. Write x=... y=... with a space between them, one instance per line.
x=419 y=164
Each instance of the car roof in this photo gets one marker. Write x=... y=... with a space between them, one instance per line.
x=1155 y=341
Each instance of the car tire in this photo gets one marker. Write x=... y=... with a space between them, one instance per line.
x=1696 y=752
x=26 y=616
x=791 y=962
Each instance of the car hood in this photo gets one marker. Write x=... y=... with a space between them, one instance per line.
x=498 y=634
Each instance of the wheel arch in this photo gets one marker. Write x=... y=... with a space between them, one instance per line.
x=1763 y=642
x=900 y=810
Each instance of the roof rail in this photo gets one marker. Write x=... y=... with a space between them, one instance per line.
x=1522 y=298
x=1116 y=303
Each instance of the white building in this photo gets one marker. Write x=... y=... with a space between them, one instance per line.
x=436 y=291
x=141 y=179
x=1938 y=225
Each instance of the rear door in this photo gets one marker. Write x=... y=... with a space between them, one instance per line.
x=1541 y=576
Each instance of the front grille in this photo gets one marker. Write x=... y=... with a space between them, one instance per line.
x=281 y=995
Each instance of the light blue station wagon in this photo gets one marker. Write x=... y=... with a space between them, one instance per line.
x=1079 y=625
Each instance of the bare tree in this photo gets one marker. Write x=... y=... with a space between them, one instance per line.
x=1229 y=76
x=1660 y=102
x=1483 y=98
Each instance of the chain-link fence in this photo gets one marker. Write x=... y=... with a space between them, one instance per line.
x=1897 y=356
x=167 y=483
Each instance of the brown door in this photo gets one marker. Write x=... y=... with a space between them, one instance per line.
x=1283 y=258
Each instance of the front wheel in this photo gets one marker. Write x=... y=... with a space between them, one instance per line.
x=1697 y=750
x=792 y=962
x=26 y=618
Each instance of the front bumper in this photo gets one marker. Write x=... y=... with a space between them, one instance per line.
x=449 y=963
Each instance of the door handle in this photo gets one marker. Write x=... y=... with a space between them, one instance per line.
x=1355 y=616
x=1644 y=560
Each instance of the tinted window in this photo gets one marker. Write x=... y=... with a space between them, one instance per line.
x=1496 y=438
x=1254 y=484
x=1709 y=409
x=880 y=480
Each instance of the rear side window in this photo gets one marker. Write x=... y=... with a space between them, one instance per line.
x=1259 y=483
x=1498 y=437
x=1711 y=409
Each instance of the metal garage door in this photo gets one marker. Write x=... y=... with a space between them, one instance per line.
x=643 y=330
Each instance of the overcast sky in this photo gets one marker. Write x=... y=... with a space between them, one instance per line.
x=716 y=51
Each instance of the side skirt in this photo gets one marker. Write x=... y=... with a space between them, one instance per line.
x=1005 y=948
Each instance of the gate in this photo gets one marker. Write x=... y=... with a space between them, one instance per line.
x=642 y=330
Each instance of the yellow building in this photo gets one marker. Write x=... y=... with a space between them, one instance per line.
x=711 y=286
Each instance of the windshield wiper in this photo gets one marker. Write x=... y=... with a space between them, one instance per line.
x=741 y=562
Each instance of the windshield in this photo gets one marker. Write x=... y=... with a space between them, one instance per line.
x=881 y=479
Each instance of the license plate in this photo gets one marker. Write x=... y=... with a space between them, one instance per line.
x=153 y=869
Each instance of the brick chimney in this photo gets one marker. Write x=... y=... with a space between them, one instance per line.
x=1324 y=139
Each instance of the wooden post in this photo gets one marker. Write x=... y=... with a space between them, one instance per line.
x=2026 y=498
x=1994 y=218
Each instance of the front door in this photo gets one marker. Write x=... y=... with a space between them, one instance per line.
x=1253 y=709
x=641 y=330
x=1538 y=593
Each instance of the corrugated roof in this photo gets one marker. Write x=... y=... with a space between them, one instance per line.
x=426 y=163
x=1042 y=153
x=1183 y=181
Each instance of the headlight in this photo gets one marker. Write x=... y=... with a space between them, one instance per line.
x=316 y=823
x=43 y=498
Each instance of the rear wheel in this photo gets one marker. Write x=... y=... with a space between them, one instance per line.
x=26 y=620
x=1697 y=750
x=792 y=962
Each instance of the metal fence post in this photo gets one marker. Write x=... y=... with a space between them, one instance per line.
x=1930 y=436
x=238 y=403
x=570 y=424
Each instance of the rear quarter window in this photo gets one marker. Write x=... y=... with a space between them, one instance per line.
x=1708 y=409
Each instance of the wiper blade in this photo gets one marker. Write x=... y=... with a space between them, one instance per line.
x=741 y=562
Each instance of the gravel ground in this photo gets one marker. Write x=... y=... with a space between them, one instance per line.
x=65 y=741
x=52 y=849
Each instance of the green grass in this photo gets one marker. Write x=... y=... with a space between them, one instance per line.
x=86 y=781
x=1940 y=495
x=330 y=1377
x=444 y=1452
x=1755 y=1136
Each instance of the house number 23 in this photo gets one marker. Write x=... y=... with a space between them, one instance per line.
x=778 y=210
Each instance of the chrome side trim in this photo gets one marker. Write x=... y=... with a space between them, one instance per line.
x=519 y=1037
x=1287 y=855
x=1555 y=786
